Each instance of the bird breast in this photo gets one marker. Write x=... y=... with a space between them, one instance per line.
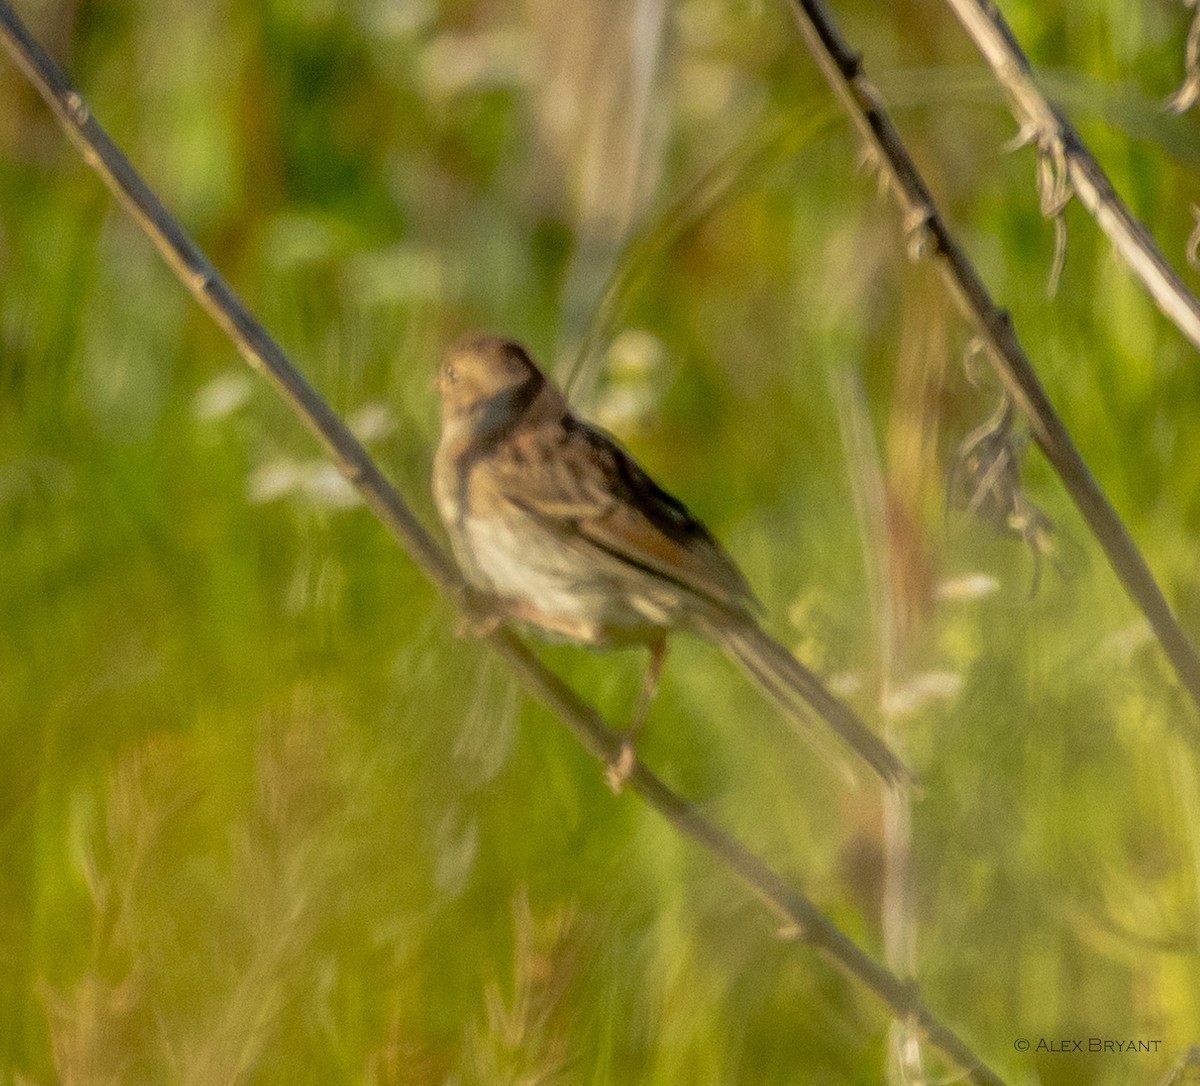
x=514 y=556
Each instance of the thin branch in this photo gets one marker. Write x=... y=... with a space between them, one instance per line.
x=869 y=488
x=763 y=145
x=1058 y=140
x=197 y=273
x=1185 y=1070
x=1189 y=91
x=927 y=233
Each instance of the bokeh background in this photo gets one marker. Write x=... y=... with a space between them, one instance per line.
x=264 y=819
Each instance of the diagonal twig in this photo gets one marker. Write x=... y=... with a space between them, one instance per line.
x=1188 y=93
x=258 y=348
x=1057 y=141
x=927 y=233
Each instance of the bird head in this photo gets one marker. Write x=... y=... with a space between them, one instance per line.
x=477 y=369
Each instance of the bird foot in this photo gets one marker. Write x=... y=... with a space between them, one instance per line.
x=480 y=615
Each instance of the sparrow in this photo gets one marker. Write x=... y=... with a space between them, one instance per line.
x=553 y=521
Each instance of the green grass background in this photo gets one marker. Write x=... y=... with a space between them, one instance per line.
x=263 y=819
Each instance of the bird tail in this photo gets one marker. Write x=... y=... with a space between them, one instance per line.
x=797 y=690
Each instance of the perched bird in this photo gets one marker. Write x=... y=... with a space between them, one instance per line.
x=557 y=523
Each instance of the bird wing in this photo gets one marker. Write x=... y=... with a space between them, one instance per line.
x=581 y=483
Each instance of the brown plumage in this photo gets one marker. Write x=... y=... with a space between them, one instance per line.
x=558 y=523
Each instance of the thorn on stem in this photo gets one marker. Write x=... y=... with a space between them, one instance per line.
x=918 y=235
x=76 y=107
x=621 y=768
x=1026 y=135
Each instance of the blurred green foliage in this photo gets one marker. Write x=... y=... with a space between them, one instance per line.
x=264 y=819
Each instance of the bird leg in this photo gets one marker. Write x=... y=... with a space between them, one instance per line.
x=620 y=769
